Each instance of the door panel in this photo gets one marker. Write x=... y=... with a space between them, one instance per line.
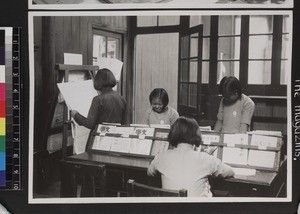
x=190 y=72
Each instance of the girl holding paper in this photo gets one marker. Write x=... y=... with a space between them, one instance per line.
x=107 y=107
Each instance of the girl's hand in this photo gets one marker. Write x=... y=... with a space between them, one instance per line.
x=73 y=112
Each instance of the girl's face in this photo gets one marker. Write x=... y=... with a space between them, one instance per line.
x=230 y=98
x=157 y=105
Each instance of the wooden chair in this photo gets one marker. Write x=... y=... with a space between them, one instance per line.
x=81 y=179
x=135 y=189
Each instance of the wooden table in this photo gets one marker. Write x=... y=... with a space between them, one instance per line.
x=120 y=168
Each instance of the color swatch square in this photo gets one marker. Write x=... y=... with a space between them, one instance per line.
x=2 y=108
x=2 y=127
x=2 y=91
x=2 y=161
x=2 y=144
x=2 y=73
x=2 y=177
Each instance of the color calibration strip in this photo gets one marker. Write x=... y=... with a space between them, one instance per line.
x=12 y=136
x=2 y=110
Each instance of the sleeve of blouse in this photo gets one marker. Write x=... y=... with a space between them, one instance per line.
x=247 y=111
x=152 y=169
x=220 y=169
x=220 y=111
x=91 y=120
x=174 y=116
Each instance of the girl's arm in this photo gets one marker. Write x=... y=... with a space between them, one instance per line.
x=91 y=120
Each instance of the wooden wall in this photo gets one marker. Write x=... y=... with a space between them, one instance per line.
x=156 y=66
x=55 y=36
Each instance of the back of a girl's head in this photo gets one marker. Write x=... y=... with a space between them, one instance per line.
x=161 y=94
x=185 y=130
x=230 y=84
x=104 y=79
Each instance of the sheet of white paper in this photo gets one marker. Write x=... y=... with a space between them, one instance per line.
x=78 y=95
x=210 y=138
x=121 y=145
x=232 y=139
x=80 y=135
x=112 y=64
x=141 y=147
x=244 y=171
x=159 y=146
x=235 y=156
x=264 y=132
x=104 y=143
x=261 y=158
x=263 y=141
x=72 y=59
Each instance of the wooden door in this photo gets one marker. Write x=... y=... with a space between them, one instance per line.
x=190 y=70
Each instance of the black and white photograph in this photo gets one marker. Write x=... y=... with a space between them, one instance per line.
x=160 y=106
x=146 y=4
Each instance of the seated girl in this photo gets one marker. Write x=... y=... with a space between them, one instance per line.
x=185 y=168
x=160 y=112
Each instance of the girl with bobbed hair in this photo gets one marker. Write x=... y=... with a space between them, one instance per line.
x=160 y=112
x=185 y=168
x=107 y=107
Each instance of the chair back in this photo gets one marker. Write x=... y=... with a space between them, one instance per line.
x=135 y=189
x=83 y=179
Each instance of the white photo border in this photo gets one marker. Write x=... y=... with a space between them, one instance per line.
x=168 y=5
x=106 y=200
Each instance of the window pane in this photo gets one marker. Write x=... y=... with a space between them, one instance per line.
x=99 y=46
x=184 y=70
x=185 y=47
x=229 y=48
x=205 y=20
x=259 y=72
x=146 y=21
x=284 y=72
x=113 y=47
x=286 y=24
x=228 y=69
x=229 y=25
x=193 y=71
x=205 y=72
x=260 y=47
x=285 y=42
x=205 y=48
x=194 y=45
x=193 y=95
x=261 y=24
x=168 y=20
x=183 y=96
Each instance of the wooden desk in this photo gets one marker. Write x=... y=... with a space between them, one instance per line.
x=121 y=168
x=263 y=184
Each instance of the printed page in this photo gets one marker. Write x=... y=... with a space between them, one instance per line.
x=263 y=141
x=159 y=146
x=233 y=139
x=121 y=145
x=261 y=158
x=235 y=156
x=141 y=147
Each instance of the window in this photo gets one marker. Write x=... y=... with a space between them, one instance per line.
x=107 y=45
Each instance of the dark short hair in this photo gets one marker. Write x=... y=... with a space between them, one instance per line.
x=184 y=130
x=104 y=79
x=161 y=94
x=230 y=84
